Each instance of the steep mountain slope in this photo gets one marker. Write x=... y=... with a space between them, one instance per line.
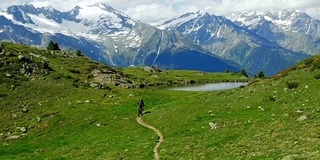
x=105 y=35
x=291 y=29
x=222 y=37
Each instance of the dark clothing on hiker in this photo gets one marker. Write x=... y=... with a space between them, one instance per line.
x=140 y=107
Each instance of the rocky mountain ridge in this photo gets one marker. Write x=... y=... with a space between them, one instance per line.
x=224 y=38
x=290 y=29
x=193 y=41
x=108 y=36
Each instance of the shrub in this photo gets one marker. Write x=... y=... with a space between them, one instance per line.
x=292 y=85
x=272 y=98
x=141 y=85
x=90 y=76
x=317 y=77
x=76 y=84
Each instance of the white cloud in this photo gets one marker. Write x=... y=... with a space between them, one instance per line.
x=153 y=11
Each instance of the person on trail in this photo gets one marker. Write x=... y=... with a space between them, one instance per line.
x=140 y=107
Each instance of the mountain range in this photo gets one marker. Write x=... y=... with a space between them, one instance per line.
x=194 y=41
x=290 y=29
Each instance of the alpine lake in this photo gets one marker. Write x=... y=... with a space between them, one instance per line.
x=210 y=86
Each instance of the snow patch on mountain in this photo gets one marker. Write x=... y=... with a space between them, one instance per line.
x=119 y=34
x=178 y=21
x=6 y=15
x=42 y=21
x=97 y=12
x=285 y=20
x=89 y=21
x=282 y=22
x=44 y=25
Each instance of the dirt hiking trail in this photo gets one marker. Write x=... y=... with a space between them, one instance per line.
x=155 y=149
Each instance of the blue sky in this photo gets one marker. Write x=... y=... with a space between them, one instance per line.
x=156 y=11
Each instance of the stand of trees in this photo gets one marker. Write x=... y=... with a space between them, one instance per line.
x=260 y=75
x=53 y=46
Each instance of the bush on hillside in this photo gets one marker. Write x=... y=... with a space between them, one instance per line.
x=292 y=85
x=141 y=85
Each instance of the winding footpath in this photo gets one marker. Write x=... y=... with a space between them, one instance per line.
x=155 y=149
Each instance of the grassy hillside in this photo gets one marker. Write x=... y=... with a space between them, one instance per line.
x=61 y=105
x=69 y=107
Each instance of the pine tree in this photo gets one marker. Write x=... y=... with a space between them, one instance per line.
x=56 y=46
x=244 y=73
x=53 y=46
x=78 y=52
x=50 y=45
x=261 y=74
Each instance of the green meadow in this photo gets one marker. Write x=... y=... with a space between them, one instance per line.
x=60 y=105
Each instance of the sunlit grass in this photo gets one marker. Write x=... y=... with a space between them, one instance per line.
x=64 y=121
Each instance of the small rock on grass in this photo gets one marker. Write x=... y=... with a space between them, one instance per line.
x=302 y=118
x=23 y=129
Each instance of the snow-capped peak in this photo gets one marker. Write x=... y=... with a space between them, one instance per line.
x=82 y=21
x=180 y=20
x=283 y=19
x=90 y=12
x=290 y=20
